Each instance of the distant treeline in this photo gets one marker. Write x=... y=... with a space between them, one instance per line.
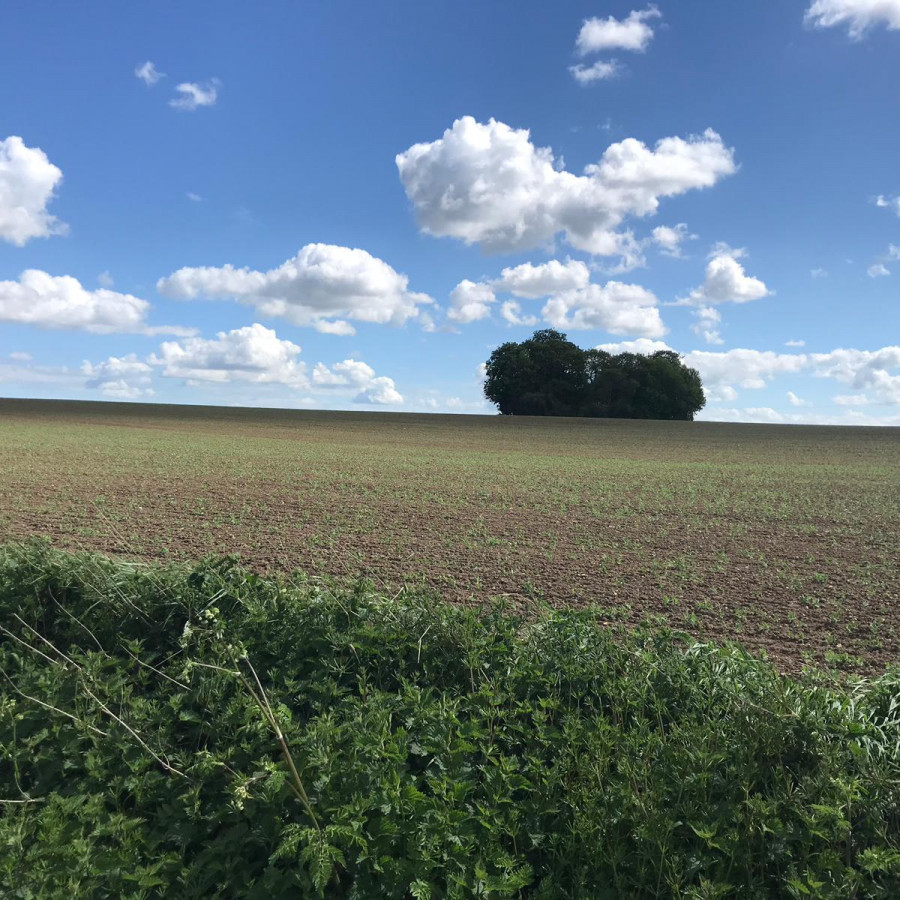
x=548 y=375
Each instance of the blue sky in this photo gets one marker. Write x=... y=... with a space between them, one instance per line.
x=348 y=205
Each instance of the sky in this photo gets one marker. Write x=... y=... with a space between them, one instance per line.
x=350 y=205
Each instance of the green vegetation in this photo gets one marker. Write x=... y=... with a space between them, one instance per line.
x=204 y=732
x=548 y=375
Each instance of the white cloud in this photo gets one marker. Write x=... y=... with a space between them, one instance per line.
x=361 y=378
x=863 y=370
x=893 y=251
x=721 y=393
x=322 y=286
x=852 y=400
x=818 y=273
x=24 y=371
x=726 y=281
x=487 y=184
x=794 y=400
x=643 y=346
x=104 y=279
x=573 y=301
x=858 y=15
x=878 y=270
x=470 y=301
x=21 y=356
x=435 y=401
x=795 y=343
x=194 y=198
x=746 y=368
x=631 y=33
x=148 y=73
x=601 y=70
x=193 y=95
x=50 y=301
x=614 y=307
x=670 y=238
x=888 y=203
x=532 y=282
x=511 y=311
x=869 y=371
x=27 y=183
x=767 y=415
x=707 y=324
x=252 y=354
x=121 y=378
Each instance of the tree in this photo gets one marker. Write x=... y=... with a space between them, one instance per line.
x=548 y=375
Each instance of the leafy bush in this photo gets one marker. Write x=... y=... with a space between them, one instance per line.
x=167 y=732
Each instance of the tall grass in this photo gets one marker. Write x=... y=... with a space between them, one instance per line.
x=175 y=732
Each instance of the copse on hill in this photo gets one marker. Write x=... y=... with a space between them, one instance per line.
x=548 y=375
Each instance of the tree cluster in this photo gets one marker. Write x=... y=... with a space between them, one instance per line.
x=548 y=375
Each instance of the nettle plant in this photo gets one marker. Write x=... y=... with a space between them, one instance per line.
x=208 y=733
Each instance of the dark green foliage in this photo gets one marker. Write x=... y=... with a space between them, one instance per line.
x=444 y=752
x=548 y=375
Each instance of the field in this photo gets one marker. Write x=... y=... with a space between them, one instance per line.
x=783 y=538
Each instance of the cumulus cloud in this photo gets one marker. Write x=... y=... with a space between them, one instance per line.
x=726 y=281
x=252 y=354
x=322 y=286
x=643 y=346
x=470 y=301
x=572 y=300
x=50 y=301
x=631 y=33
x=120 y=378
x=745 y=368
x=794 y=400
x=818 y=273
x=487 y=184
x=718 y=393
x=795 y=343
x=28 y=181
x=511 y=310
x=614 y=307
x=193 y=95
x=851 y=400
x=878 y=270
x=602 y=70
x=148 y=73
x=765 y=414
x=873 y=374
x=892 y=203
x=533 y=282
x=670 y=238
x=869 y=371
x=104 y=279
x=361 y=377
x=858 y=15
x=194 y=198
x=26 y=371
x=435 y=401
x=707 y=324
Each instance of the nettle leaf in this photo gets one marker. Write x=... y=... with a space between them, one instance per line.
x=495 y=757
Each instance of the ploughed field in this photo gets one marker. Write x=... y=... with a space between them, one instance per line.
x=785 y=538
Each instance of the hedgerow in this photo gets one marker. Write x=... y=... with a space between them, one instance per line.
x=204 y=732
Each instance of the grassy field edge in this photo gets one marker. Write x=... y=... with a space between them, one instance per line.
x=203 y=731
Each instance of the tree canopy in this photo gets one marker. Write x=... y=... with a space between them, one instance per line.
x=548 y=375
